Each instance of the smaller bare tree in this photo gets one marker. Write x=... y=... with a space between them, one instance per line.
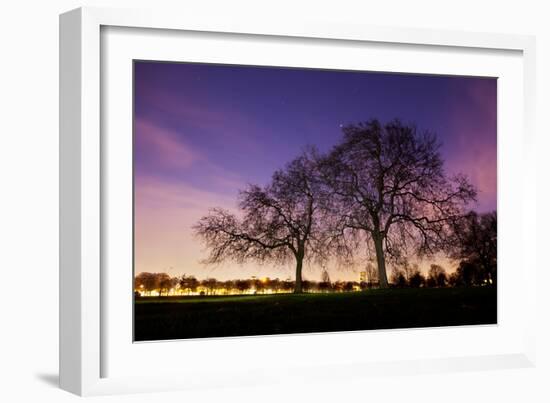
x=437 y=277
x=146 y=282
x=476 y=243
x=282 y=221
x=164 y=283
x=210 y=284
x=372 y=274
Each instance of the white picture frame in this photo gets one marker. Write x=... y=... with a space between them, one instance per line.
x=85 y=300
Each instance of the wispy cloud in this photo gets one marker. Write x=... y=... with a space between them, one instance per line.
x=229 y=123
x=164 y=153
x=153 y=193
x=162 y=146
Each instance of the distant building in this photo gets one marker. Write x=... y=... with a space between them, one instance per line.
x=363 y=276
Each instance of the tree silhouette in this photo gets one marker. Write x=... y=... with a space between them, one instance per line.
x=437 y=277
x=390 y=187
x=258 y=285
x=398 y=278
x=146 y=282
x=348 y=286
x=325 y=284
x=466 y=274
x=164 y=283
x=192 y=284
x=417 y=280
x=229 y=286
x=372 y=274
x=476 y=243
x=275 y=284
x=210 y=284
x=281 y=221
x=242 y=285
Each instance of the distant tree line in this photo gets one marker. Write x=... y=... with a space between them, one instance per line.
x=476 y=267
x=382 y=191
x=161 y=284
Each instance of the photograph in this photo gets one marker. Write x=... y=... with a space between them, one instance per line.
x=272 y=200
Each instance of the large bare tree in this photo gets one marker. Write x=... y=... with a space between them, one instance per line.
x=390 y=188
x=280 y=222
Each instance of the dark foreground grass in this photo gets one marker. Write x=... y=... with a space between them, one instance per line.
x=191 y=317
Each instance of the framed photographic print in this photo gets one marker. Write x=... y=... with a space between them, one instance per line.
x=271 y=190
x=311 y=224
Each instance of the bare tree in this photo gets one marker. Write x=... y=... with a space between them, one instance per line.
x=408 y=269
x=287 y=285
x=325 y=284
x=477 y=243
x=348 y=286
x=242 y=285
x=281 y=221
x=229 y=286
x=372 y=274
x=164 y=283
x=146 y=282
x=398 y=278
x=275 y=285
x=390 y=185
x=258 y=286
x=188 y=283
x=437 y=277
x=417 y=280
x=210 y=284
x=467 y=274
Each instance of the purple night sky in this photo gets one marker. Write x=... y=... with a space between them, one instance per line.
x=204 y=131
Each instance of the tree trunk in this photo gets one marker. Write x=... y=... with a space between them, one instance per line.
x=380 y=259
x=298 y=282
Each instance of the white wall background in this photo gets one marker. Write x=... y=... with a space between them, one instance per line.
x=29 y=201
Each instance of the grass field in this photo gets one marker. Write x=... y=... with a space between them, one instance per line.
x=192 y=317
